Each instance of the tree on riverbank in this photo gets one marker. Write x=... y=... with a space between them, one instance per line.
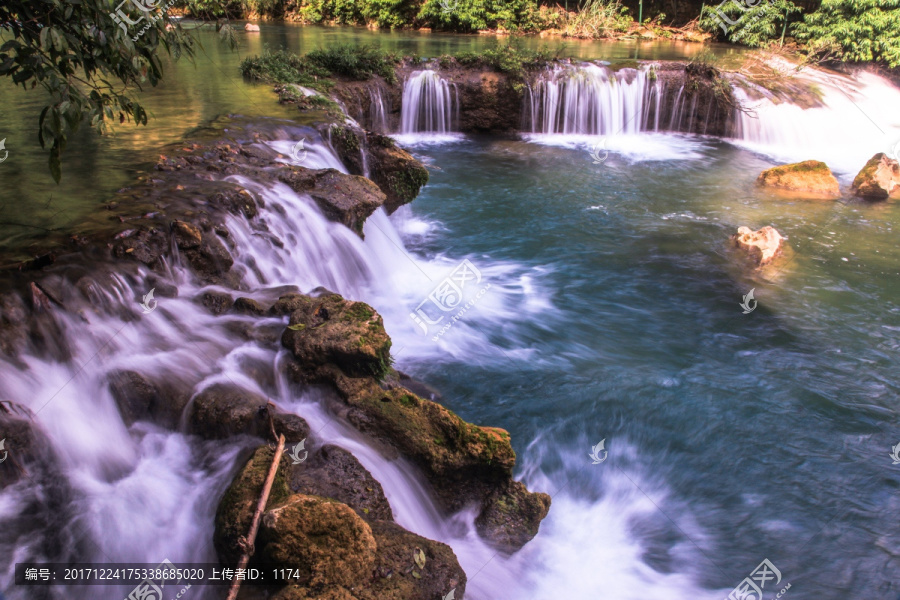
x=89 y=56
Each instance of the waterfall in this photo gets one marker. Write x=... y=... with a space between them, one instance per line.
x=377 y=112
x=592 y=100
x=428 y=105
x=854 y=118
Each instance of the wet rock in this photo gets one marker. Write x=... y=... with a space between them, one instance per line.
x=140 y=399
x=249 y=306
x=325 y=540
x=878 y=180
x=216 y=302
x=759 y=247
x=396 y=567
x=810 y=177
x=237 y=201
x=332 y=472
x=397 y=173
x=145 y=246
x=288 y=303
x=511 y=518
x=13 y=324
x=186 y=235
x=22 y=443
x=235 y=510
x=224 y=410
x=347 y=199
x=331 y=330
x=203 y=251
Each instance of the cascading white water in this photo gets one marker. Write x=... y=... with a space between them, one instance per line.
x=428 y=104
x=588 y=99
x=142 y=494
x=377 y=113
x=857 y=119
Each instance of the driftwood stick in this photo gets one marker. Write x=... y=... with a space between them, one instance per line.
x=257 y=516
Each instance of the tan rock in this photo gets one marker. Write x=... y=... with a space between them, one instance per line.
x=251 y=27
x=878 y=180
x=761 y=247
x=809 y=177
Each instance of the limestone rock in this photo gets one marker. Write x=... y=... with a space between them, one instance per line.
x=878 y=180
x=141 y=399
x=324 y=539
x=332 y=330
x=347 y=199
x=332 y=472
x=760 y=247
x=223 y=410
x=809 y=177
x=511 y=518
x=397 y=173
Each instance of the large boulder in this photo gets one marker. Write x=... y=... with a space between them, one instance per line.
x=810 y=177
x=22 y=445
x=878 y=180
x=332 y=472
x=347 y=199
x=224 y=410
x=397 y=173
x=759 y=247
x=324 y=539
x=331 y=330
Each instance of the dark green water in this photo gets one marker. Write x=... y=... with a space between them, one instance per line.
x=192 y=95
x=762 y=436
x=731 y=438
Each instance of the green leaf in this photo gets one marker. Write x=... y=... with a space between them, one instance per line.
x=419 y=557
x=297 y=327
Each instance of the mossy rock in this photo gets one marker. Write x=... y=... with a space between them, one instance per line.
x=325 y=540
x=809 y=177
x=399 y=175
x=347 y=199
x=878 y=180
x=235 y=511
x=511 y=518
x=331 y=330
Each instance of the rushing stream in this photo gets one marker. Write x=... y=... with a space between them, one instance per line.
x=612 y=315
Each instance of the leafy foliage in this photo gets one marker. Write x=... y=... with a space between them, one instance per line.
x=854 y=30
x=756 y=27
x=87 y=63
x=281 y=66
x=598 y=18
x=356 y=62
x=508 y=58
x=216 y=9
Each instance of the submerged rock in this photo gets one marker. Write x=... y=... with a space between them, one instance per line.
x=878 y=180
x=809 y=177
x=760 y=247
x=140 y=399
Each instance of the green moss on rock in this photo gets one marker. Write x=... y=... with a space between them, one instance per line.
x=811 y=177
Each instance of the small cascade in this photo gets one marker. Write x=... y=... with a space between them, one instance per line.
x=377 y=112
x=429 y=106
x=852 y=119
x=592 y=100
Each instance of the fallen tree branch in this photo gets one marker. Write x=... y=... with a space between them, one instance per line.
x=257 y=516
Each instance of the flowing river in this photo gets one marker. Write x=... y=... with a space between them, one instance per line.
x=612 y=315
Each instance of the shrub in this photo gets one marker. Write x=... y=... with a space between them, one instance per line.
x=356 y=62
